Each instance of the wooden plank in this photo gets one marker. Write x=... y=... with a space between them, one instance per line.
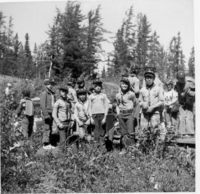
x=189 y=140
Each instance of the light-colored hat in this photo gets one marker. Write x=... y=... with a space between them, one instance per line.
x=9 y=84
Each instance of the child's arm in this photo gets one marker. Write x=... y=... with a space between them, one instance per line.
x=42 y=105
x=55 y=113
x=76 y=115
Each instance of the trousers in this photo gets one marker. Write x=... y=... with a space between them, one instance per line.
x=126 y=122
x=186 y=120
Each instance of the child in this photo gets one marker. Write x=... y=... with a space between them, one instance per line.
x=126 y=101
x=151 y=100
x=81 y=114
x=98 y=109
x=62 y=115
x=47 y=100
x=25 y=111
x=170 y=97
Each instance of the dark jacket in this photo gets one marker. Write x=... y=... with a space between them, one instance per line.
x=46 y=103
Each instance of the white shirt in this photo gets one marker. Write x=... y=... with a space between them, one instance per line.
x=170 y=97
x=7 y=91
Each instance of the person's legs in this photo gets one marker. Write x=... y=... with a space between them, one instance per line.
x=189 y=120
x=62 y=142
x=99 y=130
x=155 y=122
x=174 y=116
x=168 y=119
x=47 y=130
x=181 y=128
x=131 y=128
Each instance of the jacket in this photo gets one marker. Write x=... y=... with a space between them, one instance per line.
x=47 y=100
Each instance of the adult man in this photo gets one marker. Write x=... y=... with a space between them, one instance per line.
x=47 y=100
x=150 y=100
x=186 y=96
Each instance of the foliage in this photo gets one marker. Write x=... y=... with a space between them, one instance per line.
x=191 y=63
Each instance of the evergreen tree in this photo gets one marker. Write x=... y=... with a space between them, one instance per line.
x=191 y=63
x=71 y=41
x=94 y=38
x=176 y=57
x=103 y=74
x=143 y=40
x=26 y=46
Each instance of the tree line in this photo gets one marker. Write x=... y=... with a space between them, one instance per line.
x=73 y=47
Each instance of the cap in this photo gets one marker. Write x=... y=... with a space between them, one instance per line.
x=64 y=88
x=81 y=91
x=149 y=72
x=125 y=80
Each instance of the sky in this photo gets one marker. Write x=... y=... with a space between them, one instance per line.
x=167 y=18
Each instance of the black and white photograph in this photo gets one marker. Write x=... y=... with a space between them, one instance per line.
x=98 y=96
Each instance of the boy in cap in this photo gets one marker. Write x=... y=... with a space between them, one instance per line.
x=62 y=115
x=150 y=100
x=47 y=100
x=98 y=109
x=81 y=114
x=126 y=102
x=186 y=97
x=170 y=97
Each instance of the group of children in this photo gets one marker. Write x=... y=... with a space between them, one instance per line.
x=135 y=108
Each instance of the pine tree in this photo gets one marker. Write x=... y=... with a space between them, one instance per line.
x=191 y=63
x=103 y=74
x=71 y=41
x=143 y=40
x=94 y=37
x=26 y=46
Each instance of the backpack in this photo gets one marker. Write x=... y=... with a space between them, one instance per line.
x=29 y=107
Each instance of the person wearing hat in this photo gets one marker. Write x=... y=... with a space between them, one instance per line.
x=8 y=89
x=98 y=110
x=170 y=98
x=186 y=97
x=47 y=100
x=151 y=100
x=80 y=83
x=126 y=102
x=81 y=114
x=62 y=115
